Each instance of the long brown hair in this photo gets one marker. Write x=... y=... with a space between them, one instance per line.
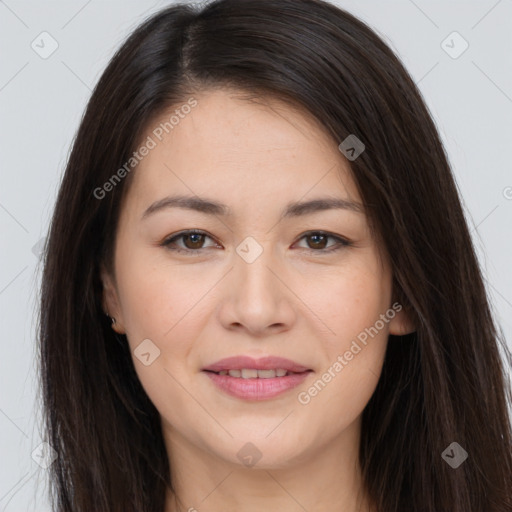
x=444 y=383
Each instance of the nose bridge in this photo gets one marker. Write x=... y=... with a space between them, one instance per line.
x=253 y=262
x=257 y=298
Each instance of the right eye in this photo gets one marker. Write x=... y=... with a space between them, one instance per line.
x=193 y=239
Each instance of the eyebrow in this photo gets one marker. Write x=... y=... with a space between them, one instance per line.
x=212 y=207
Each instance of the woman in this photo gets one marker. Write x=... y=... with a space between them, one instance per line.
x=260 y=291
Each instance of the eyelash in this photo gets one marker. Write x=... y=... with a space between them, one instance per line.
x=342 y=242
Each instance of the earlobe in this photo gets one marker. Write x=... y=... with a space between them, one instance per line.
x=402 y=323
x=110 y=301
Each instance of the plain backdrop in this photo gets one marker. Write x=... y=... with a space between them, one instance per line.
x=42 y=98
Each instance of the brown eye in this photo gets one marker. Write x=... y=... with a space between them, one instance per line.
x=317 y=242
x=192 y=241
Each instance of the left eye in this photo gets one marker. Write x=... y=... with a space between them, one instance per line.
x=320 y=238
x=194 y=239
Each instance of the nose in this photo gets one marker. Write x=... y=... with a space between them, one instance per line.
x=258 y=298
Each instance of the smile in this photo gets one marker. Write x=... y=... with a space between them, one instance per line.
x=253 y=373
x=256 y=385
x=247 y=378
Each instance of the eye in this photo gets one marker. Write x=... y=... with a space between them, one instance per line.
x=319 y=241
x=194 y=239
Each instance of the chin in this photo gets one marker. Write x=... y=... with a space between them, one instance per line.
x=264 y=453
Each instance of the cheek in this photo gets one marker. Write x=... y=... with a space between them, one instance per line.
x=351 y=307
x=351 y=301
x=161 y=302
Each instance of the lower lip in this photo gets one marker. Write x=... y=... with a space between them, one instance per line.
x=256 y=389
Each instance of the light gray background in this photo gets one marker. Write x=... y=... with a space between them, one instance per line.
x=42 y=100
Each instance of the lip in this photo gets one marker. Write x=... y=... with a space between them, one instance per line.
x=256 y=388
x=263 y=363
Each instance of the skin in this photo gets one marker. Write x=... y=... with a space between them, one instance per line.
x=295 y=300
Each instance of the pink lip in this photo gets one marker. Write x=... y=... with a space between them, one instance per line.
x=256 y=388
x=264 y=363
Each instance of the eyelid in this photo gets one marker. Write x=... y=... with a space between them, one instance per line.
x=173 y=238
x=341 y=241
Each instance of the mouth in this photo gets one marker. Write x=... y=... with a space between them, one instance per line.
x=253 y=373
x=256 y=379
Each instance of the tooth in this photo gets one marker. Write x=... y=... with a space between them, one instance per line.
x=249 y=374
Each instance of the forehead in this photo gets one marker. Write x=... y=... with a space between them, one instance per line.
x=241 y=151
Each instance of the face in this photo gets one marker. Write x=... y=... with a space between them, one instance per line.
x=261 y=278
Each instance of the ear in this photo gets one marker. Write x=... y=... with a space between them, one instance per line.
x=110 y=300
x=402 y=323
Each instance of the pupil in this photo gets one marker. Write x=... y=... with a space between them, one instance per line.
x=316 y=237
x=194 y=240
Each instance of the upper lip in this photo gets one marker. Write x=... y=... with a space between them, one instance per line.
x=264 y=363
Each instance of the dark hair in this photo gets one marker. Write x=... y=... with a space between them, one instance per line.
x=446 y=382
